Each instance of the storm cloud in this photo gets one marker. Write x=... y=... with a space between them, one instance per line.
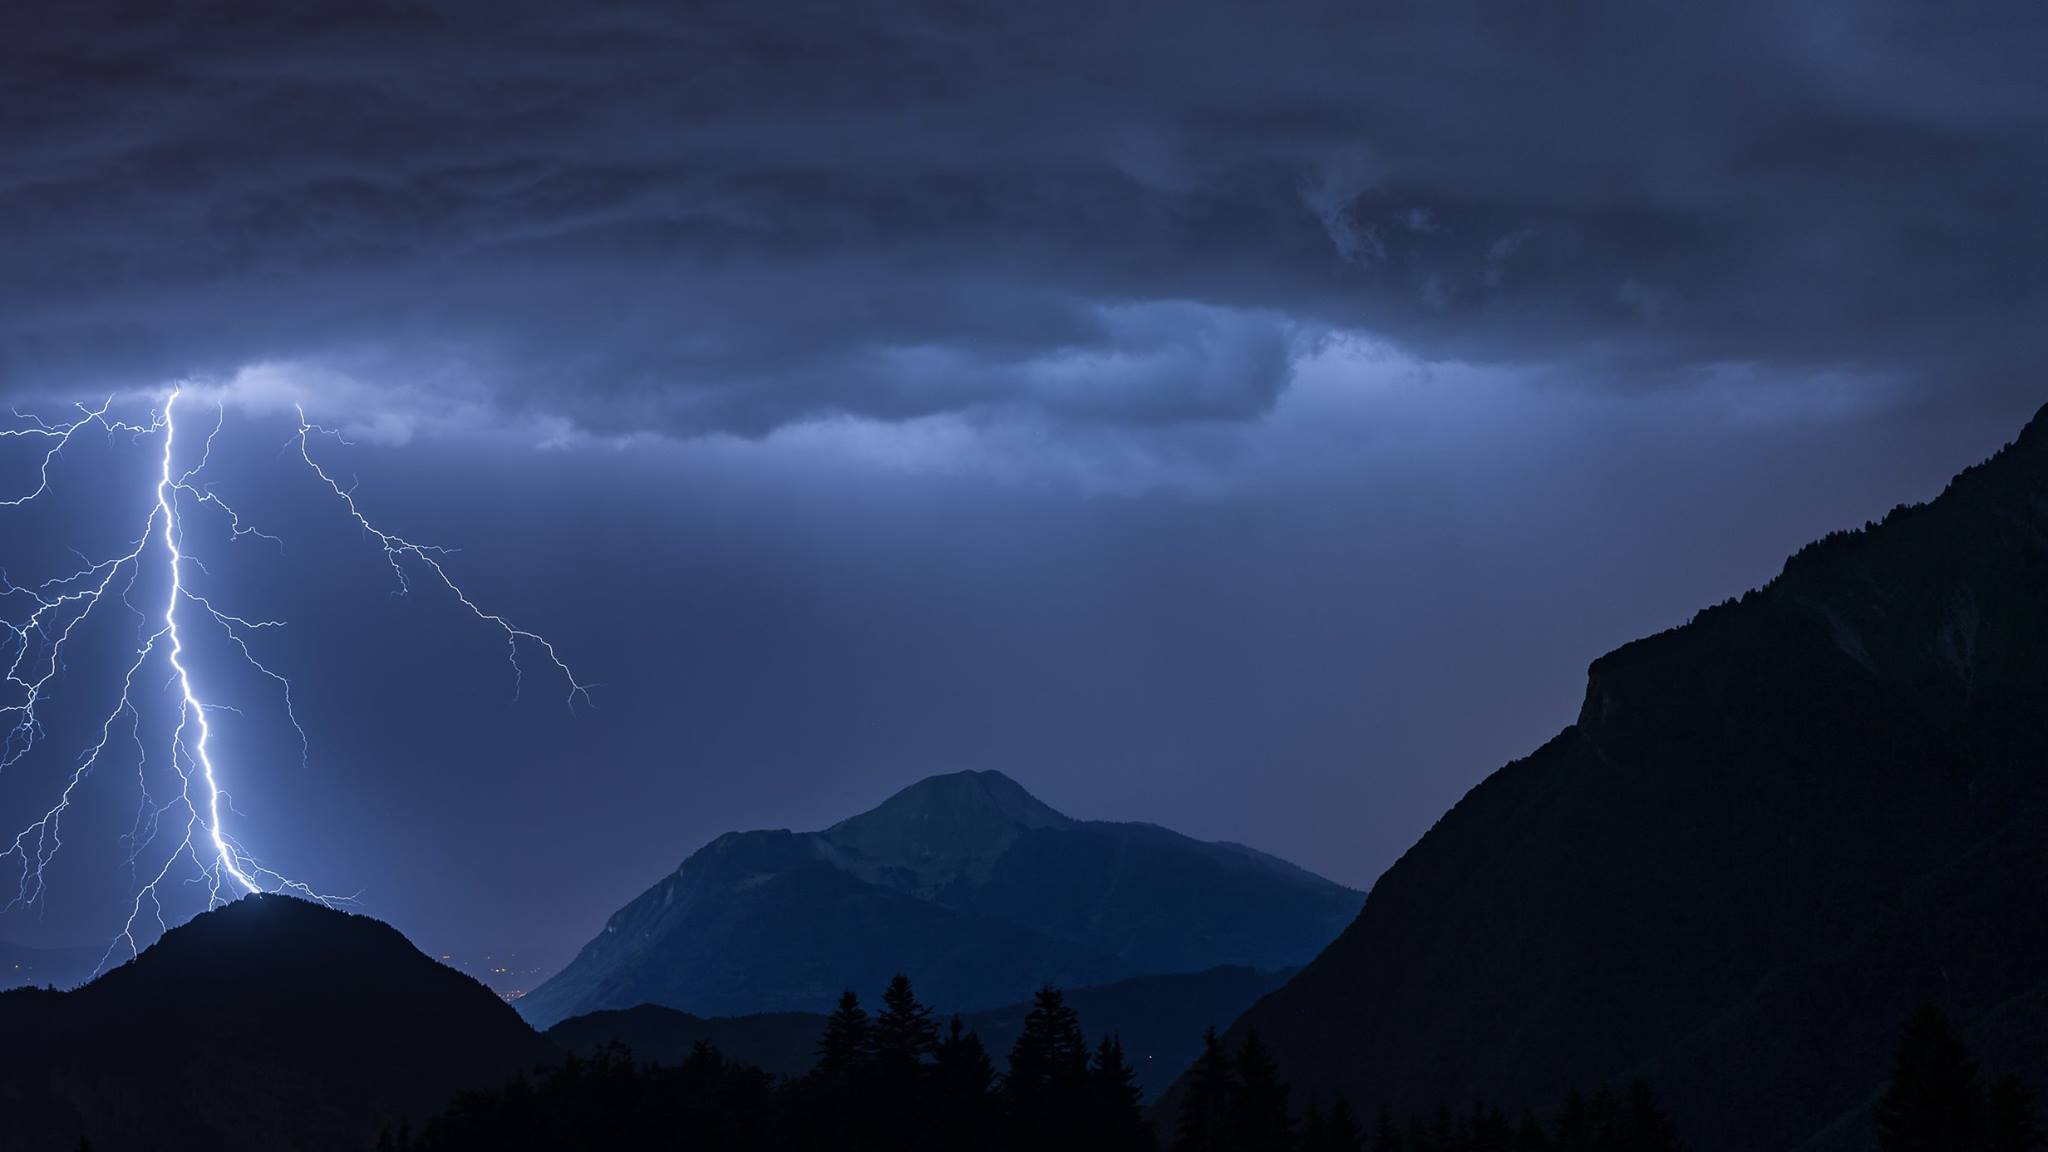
x=734 y=217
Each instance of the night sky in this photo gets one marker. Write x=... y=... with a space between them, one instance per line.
x=1250 y=419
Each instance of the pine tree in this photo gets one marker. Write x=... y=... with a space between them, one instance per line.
x=1488 y=1130
x=904 y=1037
x=1387 y=1135
x=1334 y=1130
x=904 y=1032
x=1574 y=1130
x=1315 y=1127
x=1933 y=1102
x=1260 y=1121
x=848 y=1043
x=2009 y=1123
x=1115 y=1119
x=1205 y=1113
x=962 y=1075
x=1644 y=1127
x=1045 y=1091
x=1344 y=1133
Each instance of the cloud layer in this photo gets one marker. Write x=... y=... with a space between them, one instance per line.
x=625 y=218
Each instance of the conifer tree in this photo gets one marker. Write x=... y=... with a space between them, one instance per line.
x=1933 y=1102
x=1342 y=1131
x=1260 y=1120
x=1386 y=1135
x=904 y=1032
x=1045 y=1091
x=1205 y=1113
x=1115 y=1119
x=962 y=1075
x=1574 y=1130
x=1315 y=1127
x=2009 y=1121
x=1333 y=1130
x=848 y=1043
x=904 y=1037
x=1644 y=1126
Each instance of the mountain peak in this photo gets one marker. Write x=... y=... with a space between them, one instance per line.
x=939 y=830
x=968 y=798
x=965 y=881
x=340 y=1021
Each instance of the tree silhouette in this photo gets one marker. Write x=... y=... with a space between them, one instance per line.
x=1644 y=1126
x=1335 y=1130
x=848 y=1043
x=1259 y=1119
x=962 y=1076
x=1058 y=1096
x=904 y=1037
x=1933 y=1102
x=904 y=1032
x=1203 y=1125
x=1115 y=1119
x=1045 y=1091
x=2009 y=1123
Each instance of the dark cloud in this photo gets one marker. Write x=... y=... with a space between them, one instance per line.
x=732 y=216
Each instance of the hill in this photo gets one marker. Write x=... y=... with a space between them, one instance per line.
x=1769 y=836
x=966 y=881
x=1159 y=1019
x=271 y=1024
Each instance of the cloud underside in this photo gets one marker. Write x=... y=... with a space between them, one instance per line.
x=619 y=220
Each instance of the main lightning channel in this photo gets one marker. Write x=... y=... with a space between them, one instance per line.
x=191 y=710
x=57 y=607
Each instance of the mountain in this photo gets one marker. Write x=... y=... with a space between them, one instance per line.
x=1769 y=836
x=967 y=883
x=269 y=1024
x=1159 y=1019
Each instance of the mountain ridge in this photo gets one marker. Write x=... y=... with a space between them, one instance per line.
x=1769 y=833
x=965 y=880
x=271 y=1023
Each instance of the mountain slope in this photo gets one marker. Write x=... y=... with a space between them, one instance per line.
x=270 y=1024
x=1160 y=1020
x=1770 y=835
x=966 y=882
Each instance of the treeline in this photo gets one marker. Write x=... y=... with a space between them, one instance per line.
x=896 y=1082
x=1237 y=1102
x=891 y=1082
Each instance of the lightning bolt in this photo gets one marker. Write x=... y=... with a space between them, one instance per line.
x=38 y=623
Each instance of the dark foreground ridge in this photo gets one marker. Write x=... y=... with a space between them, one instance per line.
x=1771 y=834
x=270 y=1024
x=966 y=880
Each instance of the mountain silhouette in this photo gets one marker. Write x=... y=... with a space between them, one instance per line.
x=1769 y=836
x=271 y=1024
x=967 y=882
x=1158 y=1019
